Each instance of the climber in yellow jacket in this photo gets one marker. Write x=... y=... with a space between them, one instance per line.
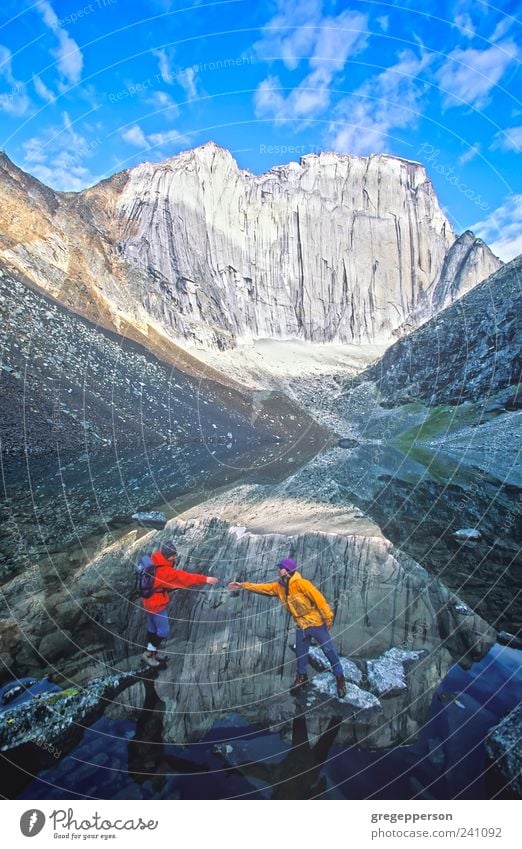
x=311 y=613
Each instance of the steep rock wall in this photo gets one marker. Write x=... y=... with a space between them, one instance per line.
x=333 y=248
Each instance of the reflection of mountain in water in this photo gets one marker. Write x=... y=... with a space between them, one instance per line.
x=419 y=505
x=116 y=758
x=95 y=493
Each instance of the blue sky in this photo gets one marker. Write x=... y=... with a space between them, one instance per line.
x=87 y=89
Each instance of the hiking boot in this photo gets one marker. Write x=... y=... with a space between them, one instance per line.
x=341 y=686
x=300 y=680
x=150 y=658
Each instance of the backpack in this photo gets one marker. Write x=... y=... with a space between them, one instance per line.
x=145 y=575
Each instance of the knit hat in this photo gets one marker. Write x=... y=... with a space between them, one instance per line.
x=168 y=549
x=289 y=565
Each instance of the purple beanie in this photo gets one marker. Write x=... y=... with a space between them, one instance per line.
x=289 y=565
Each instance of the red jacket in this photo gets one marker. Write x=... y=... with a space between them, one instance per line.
x=167 y=576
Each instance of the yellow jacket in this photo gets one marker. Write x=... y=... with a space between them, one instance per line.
x=302 y=600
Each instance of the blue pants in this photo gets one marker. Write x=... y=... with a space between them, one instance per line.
x=321 y=634
x=158 y=624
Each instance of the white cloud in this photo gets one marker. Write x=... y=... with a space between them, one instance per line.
x=135 y=136
x=502 y=28
x=57 y=157
x=164 y=65
x=160 y=100
x=502 y=229
x=508 y=139
x=329 y=42
x=42 y=90
x=465 y=25
x=69 y=58
x=389 y=100
x=14 y=99
x=469 y=154
x=168 y=137
x=384 y=22
x=291 y=33
x=187 y=81
x=469 y=74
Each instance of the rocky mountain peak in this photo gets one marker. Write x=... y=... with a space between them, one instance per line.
x=333 y=248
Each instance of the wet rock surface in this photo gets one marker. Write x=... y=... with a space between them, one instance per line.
x=504 y=747
x=54 y=716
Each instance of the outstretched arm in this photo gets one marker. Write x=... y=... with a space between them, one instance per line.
x=178 y=578
x=260 y=589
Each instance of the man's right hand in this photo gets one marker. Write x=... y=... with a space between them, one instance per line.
x=234 y=585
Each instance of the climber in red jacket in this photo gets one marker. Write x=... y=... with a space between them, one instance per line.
x=166 y=578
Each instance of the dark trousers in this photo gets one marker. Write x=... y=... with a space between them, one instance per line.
x=321 y=634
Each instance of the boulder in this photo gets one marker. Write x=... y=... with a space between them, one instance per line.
x=504 y=747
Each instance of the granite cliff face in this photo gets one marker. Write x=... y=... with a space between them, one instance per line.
x=333 y=248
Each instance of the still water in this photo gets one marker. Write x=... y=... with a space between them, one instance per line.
x=127 y=759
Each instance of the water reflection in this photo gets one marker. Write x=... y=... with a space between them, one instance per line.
x=148 y=757
x=447 y=761
x=88 y=497
x=298 y=775
x=419 y=500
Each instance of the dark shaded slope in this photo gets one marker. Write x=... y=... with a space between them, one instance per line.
x=467 y=353
x=69 y=386
x=93 y=426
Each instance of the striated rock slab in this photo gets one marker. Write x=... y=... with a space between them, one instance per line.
x=232 y=652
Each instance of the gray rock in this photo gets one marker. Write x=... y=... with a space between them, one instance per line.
x=54 y=717
x=151 y=519
x=467 y=534
x=504 y=747
x=57 y=645
x=386 y=675
x=487 y=318
x=507 y=639
x=234 y=649
x=210 y=253
x=355 y=697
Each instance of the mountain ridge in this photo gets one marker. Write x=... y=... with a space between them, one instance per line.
x=205 y=254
